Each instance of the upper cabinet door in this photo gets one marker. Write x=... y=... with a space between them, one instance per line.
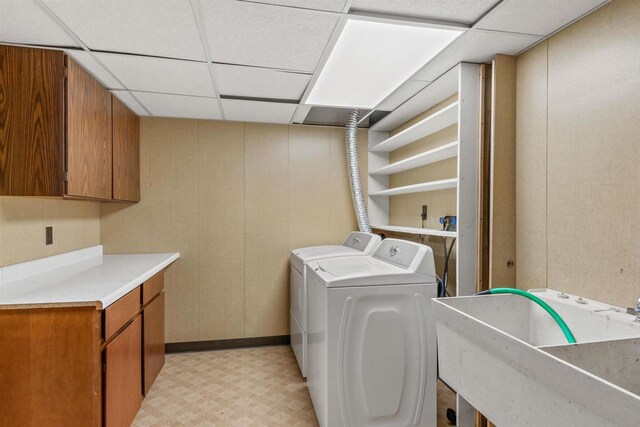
x=126 y=153
x=31 y=122
x=89 y=135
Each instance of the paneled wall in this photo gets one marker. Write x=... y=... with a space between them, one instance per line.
x=577 y=174
x=234 y=199
x=76 y=225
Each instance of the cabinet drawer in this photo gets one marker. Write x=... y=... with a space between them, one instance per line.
x=152 y=287
x=120 y=312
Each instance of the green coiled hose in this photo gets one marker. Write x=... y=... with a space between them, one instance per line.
x=565 y=329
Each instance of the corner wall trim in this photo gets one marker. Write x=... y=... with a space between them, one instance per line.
x=183 y=347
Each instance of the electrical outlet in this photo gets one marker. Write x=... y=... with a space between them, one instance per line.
x=423 y=215
x=48 y=235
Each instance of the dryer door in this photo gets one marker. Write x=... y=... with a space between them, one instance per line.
x=386 y=373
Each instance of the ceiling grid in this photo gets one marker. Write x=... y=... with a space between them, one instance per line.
x=195 y=6
x=259 y=59
x=71 y=34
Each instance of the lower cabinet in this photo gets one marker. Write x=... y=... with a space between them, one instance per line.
x=153 y=341
x=78 y=366
x=123 y=376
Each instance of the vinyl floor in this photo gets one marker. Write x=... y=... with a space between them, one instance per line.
x=246 y=387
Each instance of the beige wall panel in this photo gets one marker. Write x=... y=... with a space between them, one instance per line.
x=87 y=224
x=531 y=166
x=502 y=240
x=444 y=169
x=125 y=227
x=76 y=225
x=21 y=229
x=266 y=241
x=363 y=155
x=343 y=220
x=174 y=219
x=309 y=219
x=193 y=200
x=405 y=209
x=221 y=293
x=61 y=215
x=443 y=203
x=438 y=139
x=593 y=156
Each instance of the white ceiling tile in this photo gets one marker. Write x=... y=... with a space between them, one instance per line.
x=191 y=107
x=260 y=82
x=127 y=98
x=89 y=63
x=464 y=11
x=265 y=35
x=150 y=74
x=255 y=111
x=23 y=21
x=477 y=46
x=400 y=95
x=330 y=5
x=148 y=27
x=541 y=17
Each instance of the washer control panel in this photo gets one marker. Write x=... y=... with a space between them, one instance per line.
x=398 y=252
x=361 y=241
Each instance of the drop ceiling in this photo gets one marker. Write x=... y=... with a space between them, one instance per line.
x=256 y=60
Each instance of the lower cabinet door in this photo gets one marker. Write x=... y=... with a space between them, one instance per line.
x=153 y=319
x=123 y=377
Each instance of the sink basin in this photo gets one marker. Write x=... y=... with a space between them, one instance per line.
x=509 y=359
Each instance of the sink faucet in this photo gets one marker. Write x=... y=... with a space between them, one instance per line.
x=635 y=311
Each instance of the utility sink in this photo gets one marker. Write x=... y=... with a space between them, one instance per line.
x=509 y=359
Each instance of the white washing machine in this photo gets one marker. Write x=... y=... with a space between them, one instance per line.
x=355 y=244
x=372 y=338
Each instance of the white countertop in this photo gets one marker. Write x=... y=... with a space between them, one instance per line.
x=79 y=278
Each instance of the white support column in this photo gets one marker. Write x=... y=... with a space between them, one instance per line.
x=469 y=86
x=378 y=207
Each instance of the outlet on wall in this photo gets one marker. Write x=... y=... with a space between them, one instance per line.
x=48 y=232
x=423 y=214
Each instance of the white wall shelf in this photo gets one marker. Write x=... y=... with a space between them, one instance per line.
x=437 y=154
x=418 y=188
x=435 y=122
x=416 y=231
x=465 y=80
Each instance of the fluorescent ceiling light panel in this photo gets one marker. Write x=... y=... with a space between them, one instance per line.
x=371 y=59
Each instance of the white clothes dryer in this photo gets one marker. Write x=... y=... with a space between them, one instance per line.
x=372 y=339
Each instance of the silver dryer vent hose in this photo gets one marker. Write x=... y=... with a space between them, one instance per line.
x=354 y=171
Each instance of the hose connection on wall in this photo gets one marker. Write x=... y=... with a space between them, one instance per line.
x=354 y=171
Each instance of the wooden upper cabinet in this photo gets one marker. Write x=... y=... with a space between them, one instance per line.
x=31 y=122
x=89 y=135
x=57 y=131
x=126 y=153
